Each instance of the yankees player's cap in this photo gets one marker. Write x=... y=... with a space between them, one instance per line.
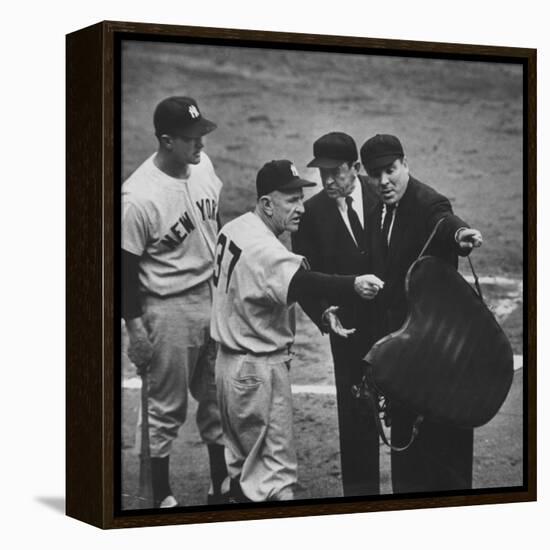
x=180 y=116
x=333 y=149
x=279 y=175
x=379 y=151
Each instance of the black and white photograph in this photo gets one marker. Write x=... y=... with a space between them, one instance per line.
x=261 y=245
x=322 y=275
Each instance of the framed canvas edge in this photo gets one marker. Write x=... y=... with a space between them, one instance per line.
x=84 y=329
x=316 y=40
x=106 y=517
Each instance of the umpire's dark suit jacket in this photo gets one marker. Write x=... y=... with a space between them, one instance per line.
x=325 y=241
x=441 y=457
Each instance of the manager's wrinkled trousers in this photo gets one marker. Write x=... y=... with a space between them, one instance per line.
x=255 y=402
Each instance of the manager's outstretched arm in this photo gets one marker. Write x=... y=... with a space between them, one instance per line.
x=312 y=284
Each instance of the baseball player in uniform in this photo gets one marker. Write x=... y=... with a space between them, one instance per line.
x=169 y=229
x=257 y=280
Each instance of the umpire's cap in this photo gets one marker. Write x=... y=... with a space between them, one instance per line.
x=333 y=149
x=380 y=151
x=279 y=175
x=180 y=116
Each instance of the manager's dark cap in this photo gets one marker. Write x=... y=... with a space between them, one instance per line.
x=333 y=149
x=279 y=175
x=180 y=116
x=379 y=151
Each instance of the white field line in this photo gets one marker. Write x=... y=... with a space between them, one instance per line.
x=500 y=281
x=134 y=383
x=501 y=308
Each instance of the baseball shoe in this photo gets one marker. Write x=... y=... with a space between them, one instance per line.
x=221 y=496
x=167 y=502
x=236 y=495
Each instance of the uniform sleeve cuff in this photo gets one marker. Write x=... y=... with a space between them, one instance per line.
x=457 y=233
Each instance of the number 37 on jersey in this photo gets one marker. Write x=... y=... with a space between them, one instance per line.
x=227 y=256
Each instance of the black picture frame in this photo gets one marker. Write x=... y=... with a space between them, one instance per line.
x=93 y=270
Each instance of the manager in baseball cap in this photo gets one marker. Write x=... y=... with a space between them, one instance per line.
x=332 y=237
x=279 y=175
x=280 y=195
x=255 y=287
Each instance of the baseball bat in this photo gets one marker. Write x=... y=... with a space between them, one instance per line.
x=145 y=471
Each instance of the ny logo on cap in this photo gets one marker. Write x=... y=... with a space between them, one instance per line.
x=294 y=171
x=194 y=112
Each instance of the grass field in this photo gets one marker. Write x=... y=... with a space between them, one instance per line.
x=460 y=123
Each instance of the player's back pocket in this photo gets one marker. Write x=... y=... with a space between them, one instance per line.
x=250 y=401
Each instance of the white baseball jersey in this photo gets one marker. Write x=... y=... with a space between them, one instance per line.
x=171 y=223
x=252 y=273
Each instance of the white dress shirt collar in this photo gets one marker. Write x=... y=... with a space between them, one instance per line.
x=357 y=196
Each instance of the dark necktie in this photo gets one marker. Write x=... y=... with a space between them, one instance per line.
x=390 y=209
x=354 y=223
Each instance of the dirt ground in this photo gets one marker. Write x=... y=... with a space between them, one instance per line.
x=497 y=450
x=461 y=127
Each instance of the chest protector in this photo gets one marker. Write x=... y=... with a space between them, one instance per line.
x=450 y=362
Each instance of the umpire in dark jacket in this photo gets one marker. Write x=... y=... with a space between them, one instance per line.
x=441 y=456
x=332 y=237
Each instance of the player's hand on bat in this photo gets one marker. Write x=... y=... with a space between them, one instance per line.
x=367 y=286
x=332 y=322
x=468 y=239
x=140 y=349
